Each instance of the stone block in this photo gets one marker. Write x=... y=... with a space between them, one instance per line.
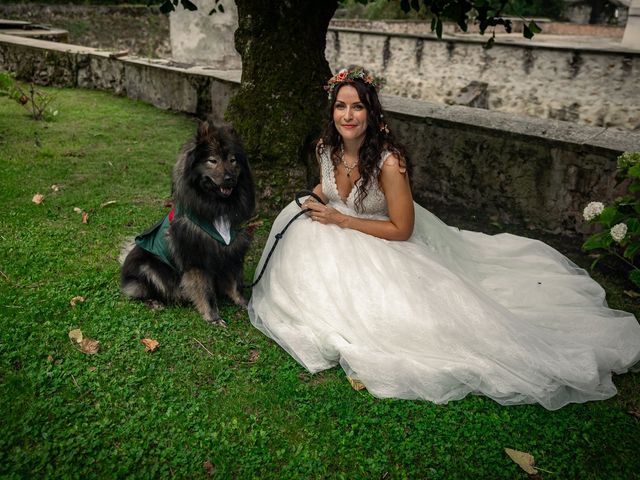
x=200 y=38
x=631 y=36
x=162 y=87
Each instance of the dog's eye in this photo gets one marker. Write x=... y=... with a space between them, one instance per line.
x=212 y=160
x=232 y=160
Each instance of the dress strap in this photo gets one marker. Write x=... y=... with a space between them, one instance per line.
x=326 y=166
x=386 y=154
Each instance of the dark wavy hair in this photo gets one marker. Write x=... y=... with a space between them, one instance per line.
x=377 y=139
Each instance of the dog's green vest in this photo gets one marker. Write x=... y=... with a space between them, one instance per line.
x=154 y=240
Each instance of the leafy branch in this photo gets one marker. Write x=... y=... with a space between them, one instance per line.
x=487 y=13
x=168 y=6
x=620 y=222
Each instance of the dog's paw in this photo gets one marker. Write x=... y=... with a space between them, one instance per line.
x=237 y=298
x=217 y=322
x=154 y=305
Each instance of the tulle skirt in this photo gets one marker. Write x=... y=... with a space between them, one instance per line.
x=447 y=313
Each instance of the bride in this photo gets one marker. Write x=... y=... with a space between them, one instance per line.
x=413 y=308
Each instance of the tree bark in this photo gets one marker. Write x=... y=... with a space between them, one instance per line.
x=280 y=106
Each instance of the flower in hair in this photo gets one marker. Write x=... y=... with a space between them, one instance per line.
x=346 y=75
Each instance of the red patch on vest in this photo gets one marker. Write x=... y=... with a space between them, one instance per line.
x=171 y=215
x=252 y=228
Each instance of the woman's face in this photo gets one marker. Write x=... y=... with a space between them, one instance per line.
x=350 y=114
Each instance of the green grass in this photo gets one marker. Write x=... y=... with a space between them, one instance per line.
x=203 y=397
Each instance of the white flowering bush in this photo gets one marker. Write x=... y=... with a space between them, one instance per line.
x=592 y=210
x=620 y=222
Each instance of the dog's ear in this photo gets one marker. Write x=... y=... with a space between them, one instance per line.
x=203 y=131
x=230 y=132
x=233 y=140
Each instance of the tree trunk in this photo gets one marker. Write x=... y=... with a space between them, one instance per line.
x=280 y=106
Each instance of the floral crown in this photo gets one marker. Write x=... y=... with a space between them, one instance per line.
x=346 y=75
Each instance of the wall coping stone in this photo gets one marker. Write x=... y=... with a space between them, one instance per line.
x=550 y=42
x=229 y=76
x=48 y=45
x=534 y=129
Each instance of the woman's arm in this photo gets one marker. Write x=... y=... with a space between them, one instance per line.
x=318 y=191
x=395 y=185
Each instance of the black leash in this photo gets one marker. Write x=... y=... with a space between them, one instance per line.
x=301 y=193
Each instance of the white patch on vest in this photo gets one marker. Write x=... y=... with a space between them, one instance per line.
x=223 y=226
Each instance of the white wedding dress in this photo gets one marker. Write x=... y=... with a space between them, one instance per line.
x=447 y=313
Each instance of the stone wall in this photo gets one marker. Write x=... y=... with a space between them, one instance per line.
x=590 y=86
x=538 y=173
x=532 y=172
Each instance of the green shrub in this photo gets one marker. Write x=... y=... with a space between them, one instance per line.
x=620 y=222
x=35 y=101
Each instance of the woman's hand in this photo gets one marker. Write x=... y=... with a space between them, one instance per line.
x=322 y=213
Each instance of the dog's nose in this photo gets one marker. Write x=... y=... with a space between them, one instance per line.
x=228 y=176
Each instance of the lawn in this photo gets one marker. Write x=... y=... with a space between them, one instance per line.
x=210 y=402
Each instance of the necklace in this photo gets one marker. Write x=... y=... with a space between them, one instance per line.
x=347 y=167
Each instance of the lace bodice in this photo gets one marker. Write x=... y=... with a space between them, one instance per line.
x=374 y=204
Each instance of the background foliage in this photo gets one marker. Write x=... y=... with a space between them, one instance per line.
x=391 y=10
x=374 y=10
x=85 y=2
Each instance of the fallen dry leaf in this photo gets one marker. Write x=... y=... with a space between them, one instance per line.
x=106 y=204
x=634 y=412
x=77 y=210
x=632 y=294
x=89 y=346
x=208 y=466
x=92 y=368
x=356 y=384
x=85 y=217
x=55 y=188
x=75 y=300
x=254 y=355
x=50 y=359
x=150 y=345
x=122 y=53
x=267 y=193
x=76 y=335
x=38 y=198
x=523 y=459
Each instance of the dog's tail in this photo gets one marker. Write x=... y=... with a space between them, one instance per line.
x=126 y=247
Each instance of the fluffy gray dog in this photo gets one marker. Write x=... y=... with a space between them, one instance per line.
x=197 y=251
